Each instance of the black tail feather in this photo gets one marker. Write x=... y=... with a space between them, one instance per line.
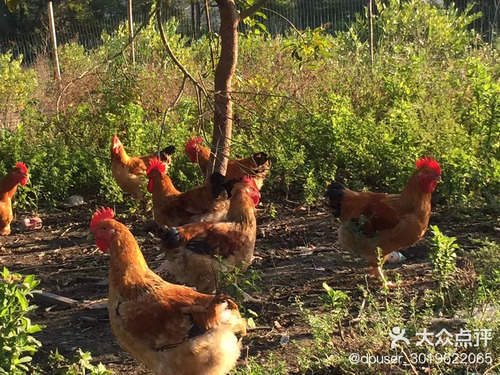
x=217 y=182
x=335 y=193
x=167 y=151
x=260 y=158
x=169 y=237
x=229 y=184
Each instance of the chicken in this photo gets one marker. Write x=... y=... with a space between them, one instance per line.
x=171 y=207
x=387 y=221
x=257 y=166
x=129 y=172
x=171 y=329
x=195 y=253
x=8 y=187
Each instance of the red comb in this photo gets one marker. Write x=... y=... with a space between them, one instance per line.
x=249 y=180
x=20 y=165
x=156 y=163
x=103 y=214
x=429 y=163
x=193 y=141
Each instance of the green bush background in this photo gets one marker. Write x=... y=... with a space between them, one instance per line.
x=315 y=102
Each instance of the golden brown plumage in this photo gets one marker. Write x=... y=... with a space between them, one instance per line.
x=171 y=329
x=8 y=187
x=171 y=207
x=388 y=221
x=257 y=165
x=130 y=172
x=195 y=253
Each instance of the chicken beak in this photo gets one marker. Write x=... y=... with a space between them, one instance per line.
x=438 y=178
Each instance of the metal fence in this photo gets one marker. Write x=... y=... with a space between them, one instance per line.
x=192 y=22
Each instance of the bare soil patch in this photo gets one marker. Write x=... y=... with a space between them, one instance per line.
x=295 y=253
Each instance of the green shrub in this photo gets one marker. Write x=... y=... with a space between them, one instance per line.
x=272 y=366
x=17 y=343
x=80 y=365
x=323 y=353
x=316 y=103
x=443 y=257
x=17 y=86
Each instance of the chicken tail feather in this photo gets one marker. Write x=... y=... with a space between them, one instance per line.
x=229 y=184
x=335 y=193
x=217 y=182
x=260 y=158
x=167 y=151
x=170 y=238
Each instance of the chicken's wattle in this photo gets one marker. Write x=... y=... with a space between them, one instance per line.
x=428 y=185
x=255 y=200
x=102 y=244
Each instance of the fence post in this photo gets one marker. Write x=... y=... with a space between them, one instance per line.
x=370 y=22
x=131 y=31
x=52 y=27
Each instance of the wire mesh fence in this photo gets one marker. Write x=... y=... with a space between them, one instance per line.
x=191 y=15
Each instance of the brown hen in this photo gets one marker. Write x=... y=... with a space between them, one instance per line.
x=171 y=329
x=171 y=207
x=8 y=187
x=258 y=165
x=387 y=221
x=196 y=253
x=130 y=172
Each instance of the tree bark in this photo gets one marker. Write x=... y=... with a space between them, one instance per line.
x=223 y=122
x=226 y=67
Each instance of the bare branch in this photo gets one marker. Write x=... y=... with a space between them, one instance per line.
x=286 y=20
x=252 y=9
x=172 y=55
x=210 y=34
x=164 y=121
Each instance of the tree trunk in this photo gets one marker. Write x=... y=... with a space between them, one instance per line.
x=223 y=122
x=223 y=117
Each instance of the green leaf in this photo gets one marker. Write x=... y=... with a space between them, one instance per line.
x=22 y=300
x=12 y=5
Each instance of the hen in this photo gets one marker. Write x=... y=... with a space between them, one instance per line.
x=257 y=166
x=387 y=221
x=171 y=329
x=8 y=187
x=129 y=172
x=171 y=207
x=195 y=253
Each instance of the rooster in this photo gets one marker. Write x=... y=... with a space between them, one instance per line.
x=129 y=171
x=257 y=166
x=171 y=207
x=8 y=187
x=171 y=329
x=195 y=253
x=387 y=221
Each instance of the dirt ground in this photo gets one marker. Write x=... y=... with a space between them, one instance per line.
x=295 y=253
